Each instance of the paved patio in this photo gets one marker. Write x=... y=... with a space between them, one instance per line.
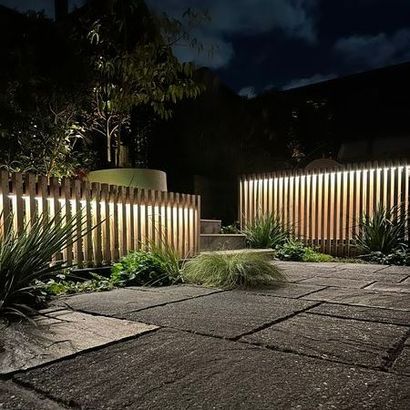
x=335 y=336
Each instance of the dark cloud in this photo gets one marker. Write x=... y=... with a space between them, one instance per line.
x=372 y=51
x=228 y=18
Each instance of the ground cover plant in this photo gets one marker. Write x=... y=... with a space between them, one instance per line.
x=26 y=257
x=266 y=231
x=157 y=266
x=294 y=250
x=231 y=270
x=382 y=236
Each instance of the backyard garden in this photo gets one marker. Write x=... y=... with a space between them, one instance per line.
x=107 y=299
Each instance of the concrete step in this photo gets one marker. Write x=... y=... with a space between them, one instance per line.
x=220 y=242
x=269 y=253
x=211 y=226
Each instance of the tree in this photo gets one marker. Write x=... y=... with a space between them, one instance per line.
x=132 y=64
x=40 y=98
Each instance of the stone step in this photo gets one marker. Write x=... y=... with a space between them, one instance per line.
x=269 y=253
x=211 y=226
x=221 y=242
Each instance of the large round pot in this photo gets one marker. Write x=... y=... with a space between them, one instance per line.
x=131 y=177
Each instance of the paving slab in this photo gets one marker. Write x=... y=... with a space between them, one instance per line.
x=346 y=340
x=60 y=334
x=390 y=287
x=171 y=369
x=402 y=363
x=404 y=270
x=118 y=301
x=13 y=396
x=337 y=282
x=363 y=313
x=288 y=290
x=227 y=314
x=361 y=267
x=364 y=276
x=363 y=297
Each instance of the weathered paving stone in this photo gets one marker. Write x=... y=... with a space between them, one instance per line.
x=358 y=275
x=363 y=297
x=119 y=301
x=363 y=313
x=13 y=396
x=345 y=340
x=402 y=363
x=360 y=267
x=390 y=287
x=288 y=290
x=227 y=314
x=62 y=333
x=170 y=369
x=404 y=270
x=337 y=282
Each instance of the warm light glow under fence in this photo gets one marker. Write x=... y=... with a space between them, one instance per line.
x=124 y=218
x=324 y=206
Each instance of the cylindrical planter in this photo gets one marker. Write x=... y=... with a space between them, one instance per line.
x=131 y=177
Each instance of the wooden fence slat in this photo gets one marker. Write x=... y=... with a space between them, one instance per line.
x=324 y=206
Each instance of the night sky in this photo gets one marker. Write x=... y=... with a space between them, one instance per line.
x=262 y=44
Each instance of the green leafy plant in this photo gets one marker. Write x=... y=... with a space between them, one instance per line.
x=266 y=231
x=27 y=256
x=294 y=250
x=384 y=231
x=66 y=285
x=228 y=271
x=231 y=229
x=400 y=256
x=145 y=268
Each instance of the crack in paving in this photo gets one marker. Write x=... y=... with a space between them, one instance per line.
x=394 y=352
x=116 y=316
x=71 y=404
x=355 y=318
x=274 y=322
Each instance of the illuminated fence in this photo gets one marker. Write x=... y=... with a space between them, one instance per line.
x=124 y=218
x=324 y=206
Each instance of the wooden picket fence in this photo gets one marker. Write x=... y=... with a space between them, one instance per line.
x=324 y=206
x=124 y=219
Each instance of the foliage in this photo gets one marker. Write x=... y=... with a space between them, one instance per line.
x=228 y=271
x=46 y=142
x=383 y=231
x=294 y=250
x=131 y=66
x=266 y=231
x=400 y=256
x=231 y=229
x=143 y=268
x=27 y=256
x=65 y=285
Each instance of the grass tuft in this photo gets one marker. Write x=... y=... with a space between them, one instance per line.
x=266 y=231
x=233 y=270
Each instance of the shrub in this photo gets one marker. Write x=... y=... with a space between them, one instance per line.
x=143 y=268
x=400 y=256
x=231 y=229
x=296 y=251
x=266 y=231
x=228 y=271
x=381 y=232
x=26 y=257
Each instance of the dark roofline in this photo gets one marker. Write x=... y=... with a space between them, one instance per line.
x=350 y=77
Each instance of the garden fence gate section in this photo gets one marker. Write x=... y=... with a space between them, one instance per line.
x=324 y=206
x=123 y=218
